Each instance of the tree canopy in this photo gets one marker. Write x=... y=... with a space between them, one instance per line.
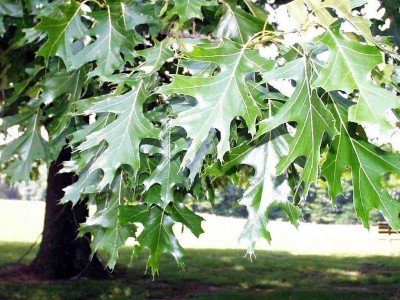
x=158 y=99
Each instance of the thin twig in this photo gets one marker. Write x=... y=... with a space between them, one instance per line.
x=37 y=239
x=29 y=249
x=187 y=35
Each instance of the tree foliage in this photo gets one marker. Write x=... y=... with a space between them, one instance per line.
x=160 y=98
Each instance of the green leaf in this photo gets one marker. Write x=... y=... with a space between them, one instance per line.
x=62 y=83
x=42 y=7
x=349 y=68
x=392 y=12
x=87 y=183
x=22 y=86
x=10 y=8
x=111 y=40
x=63 y=30
x=220 y=98
x=63 y=108
x=358 y=3
x=82 y=159
x=123 y=136
x=312 y=118
x=108 y=234
x=133 y=214
x=368 y=165
x=180 y=213
x=267 y=190
x=207 y=148
x=158 y=237
x=167 y=174
x=147 y=144
x=236 y=24
x=324 y=17
x=102 y=120
x=29 y=147
x=189 y=9
x=155 y=57
x=345 y=8
x=134 y=13
x=297 y=11
x=232 y=159
x=257 y=10
x=109 y=240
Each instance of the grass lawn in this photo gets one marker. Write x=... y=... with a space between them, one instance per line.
x=224 y=274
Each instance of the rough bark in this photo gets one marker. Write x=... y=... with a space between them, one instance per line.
x=61 y=254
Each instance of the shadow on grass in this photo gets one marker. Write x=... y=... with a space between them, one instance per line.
x=224 y=274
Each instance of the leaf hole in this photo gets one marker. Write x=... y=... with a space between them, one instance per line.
x=391 y=183
x=291 y=128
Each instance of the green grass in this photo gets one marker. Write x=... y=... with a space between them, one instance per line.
x=224 y=274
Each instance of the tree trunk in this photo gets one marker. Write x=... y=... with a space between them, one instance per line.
x=61 y=254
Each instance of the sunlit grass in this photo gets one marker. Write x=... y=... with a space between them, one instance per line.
x=22 y=221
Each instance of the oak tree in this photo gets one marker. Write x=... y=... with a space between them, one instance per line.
x=138 y=107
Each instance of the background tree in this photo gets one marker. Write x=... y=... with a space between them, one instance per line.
x=157 y=99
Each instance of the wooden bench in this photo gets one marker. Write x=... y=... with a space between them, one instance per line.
x=387 y=233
